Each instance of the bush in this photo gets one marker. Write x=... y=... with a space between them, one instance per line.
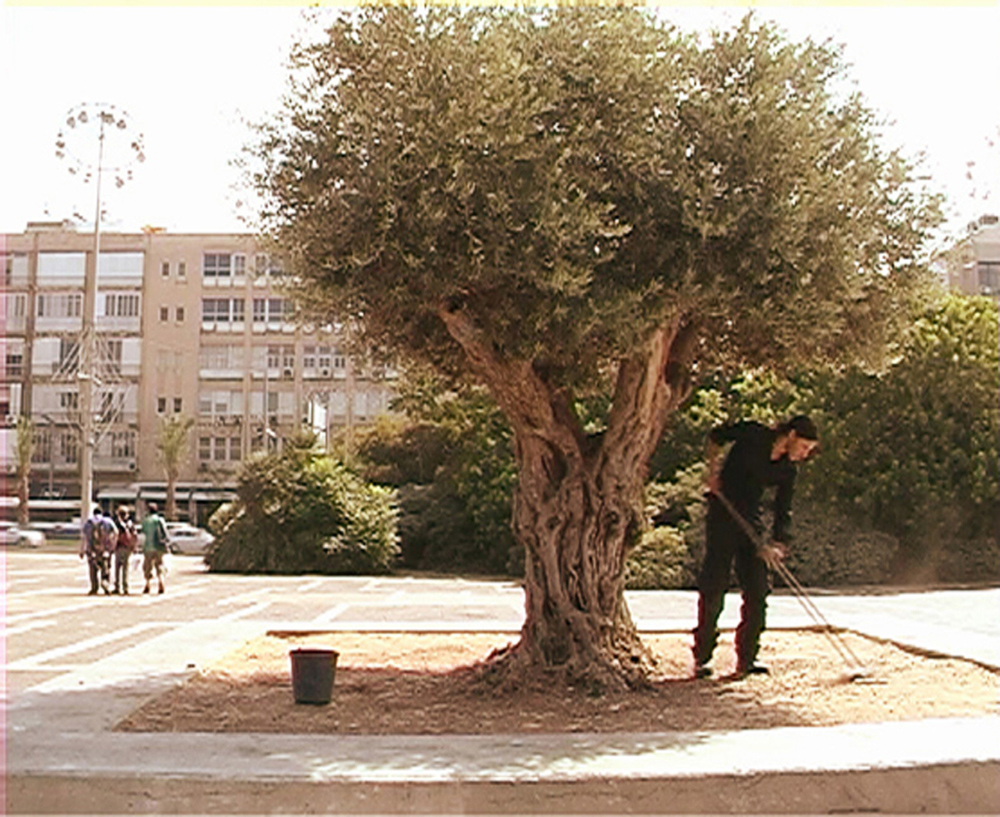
x=829 y=549
x=660 y=562
x=302 y=511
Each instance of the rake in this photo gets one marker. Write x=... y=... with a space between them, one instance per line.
x=855 y=669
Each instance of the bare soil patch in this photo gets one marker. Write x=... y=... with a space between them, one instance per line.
x=406 y=683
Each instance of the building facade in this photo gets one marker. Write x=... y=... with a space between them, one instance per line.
x=975 y=267
x=186 y=325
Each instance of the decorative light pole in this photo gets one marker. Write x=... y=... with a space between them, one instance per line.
x=118 y=148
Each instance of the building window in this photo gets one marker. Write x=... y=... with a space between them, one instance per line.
x=181 y=270
x=60 y=305
x=219 y=449
x=164 y=314
x=14 y=363
x=989 y=277
x=165 y=269
x=15 y=304
x=220 y=404
x=217 y=265
x=223 y=310
x=113 y=354
x=239 y=265
x=259 y=310
x=68 y=446
x=161 y=405
x=69 y=352
x=121 y=305
x=180 y=314
x=178 y=404
x=273 y=310
x=69 y=400
x=43 y=447
x=122 y=444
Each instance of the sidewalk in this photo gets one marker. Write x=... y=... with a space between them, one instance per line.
x=62 y=756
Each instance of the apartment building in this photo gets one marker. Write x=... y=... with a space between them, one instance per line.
x=975 y=268
x=191 y=325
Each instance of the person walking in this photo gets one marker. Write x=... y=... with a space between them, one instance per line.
x=154 y=547
x=760 y=458
x=92 y=548
x=124 y=548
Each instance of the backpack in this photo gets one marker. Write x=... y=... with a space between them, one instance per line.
x=91 y=534
x=127 y=536
x=107 y=533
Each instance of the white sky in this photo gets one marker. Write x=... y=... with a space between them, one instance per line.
x=189 y=76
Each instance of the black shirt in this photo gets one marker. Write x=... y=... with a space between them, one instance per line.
x=749 y=469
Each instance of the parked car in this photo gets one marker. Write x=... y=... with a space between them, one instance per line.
x=11 y=534
x=185 y=538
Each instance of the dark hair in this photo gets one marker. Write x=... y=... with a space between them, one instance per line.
x=802 y=425
x=153 y=507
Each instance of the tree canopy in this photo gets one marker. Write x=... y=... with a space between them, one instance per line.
x=572 y=178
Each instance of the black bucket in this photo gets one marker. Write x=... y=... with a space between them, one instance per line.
x=312 y=675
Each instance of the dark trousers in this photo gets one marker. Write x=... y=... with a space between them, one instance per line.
x=726 y=542
x=98 y=564
x=121 y=568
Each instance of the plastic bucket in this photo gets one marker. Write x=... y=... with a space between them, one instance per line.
x=312 y=675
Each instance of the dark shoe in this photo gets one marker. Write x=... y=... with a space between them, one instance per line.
x=115 y=592
x=702 y=671
x=125 y=592
x=161 y=590
x=753 y=669
x=93 y=591
x=145 y=589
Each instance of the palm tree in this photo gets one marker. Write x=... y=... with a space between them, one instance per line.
x=24 y=449
x=172 y=445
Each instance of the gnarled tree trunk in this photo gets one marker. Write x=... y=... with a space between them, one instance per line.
x=578 y=504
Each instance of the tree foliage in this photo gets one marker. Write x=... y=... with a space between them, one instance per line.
x=24 y=448
x=914 y=450
x=573 y=177
x=300 y=510
x=172 y=445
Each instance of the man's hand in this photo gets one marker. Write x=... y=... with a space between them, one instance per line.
x=773 y=554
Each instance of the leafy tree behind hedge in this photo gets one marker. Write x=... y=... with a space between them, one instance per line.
x=914 y=451
x=301 y=511
x=456 y=506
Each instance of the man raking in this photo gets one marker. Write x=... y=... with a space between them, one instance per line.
x=760 y=458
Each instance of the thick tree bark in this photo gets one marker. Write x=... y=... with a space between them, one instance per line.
x=578 y=503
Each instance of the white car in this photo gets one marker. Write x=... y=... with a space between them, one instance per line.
x=185 y=538
x=11 y=534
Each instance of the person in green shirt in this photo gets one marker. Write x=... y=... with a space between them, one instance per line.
x=154 y=546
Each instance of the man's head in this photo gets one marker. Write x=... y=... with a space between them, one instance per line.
x=153 y=507
x=803 y=439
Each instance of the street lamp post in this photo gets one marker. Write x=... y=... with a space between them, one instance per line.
x=120 y=149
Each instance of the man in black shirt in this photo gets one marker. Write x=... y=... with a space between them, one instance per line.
x=760 y=458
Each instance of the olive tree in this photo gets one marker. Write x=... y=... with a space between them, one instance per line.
x=574 y=200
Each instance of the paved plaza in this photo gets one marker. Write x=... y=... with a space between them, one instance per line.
x=75 y=665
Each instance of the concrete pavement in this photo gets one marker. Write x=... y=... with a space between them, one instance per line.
x=64 y=695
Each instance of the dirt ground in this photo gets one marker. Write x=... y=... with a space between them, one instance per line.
x=405 y=683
